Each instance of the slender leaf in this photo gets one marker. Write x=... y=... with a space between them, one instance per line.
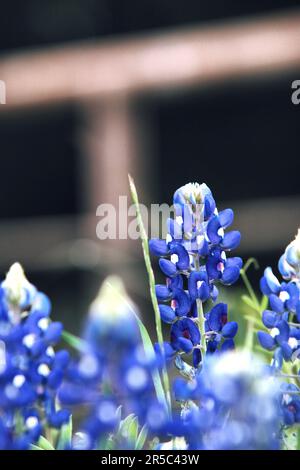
x=65 y=436
x=146 y=253
x=73 y=341
x=44 y=444
x=140 y=442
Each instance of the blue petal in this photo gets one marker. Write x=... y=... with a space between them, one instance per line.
x=286 y=350
x=234 y=261
x=271 y=281
x=214 y=293
x=285 y=271
x=53 y=333
x=217 y=317
x=203 y=248
x=277 y=359
x=196 y=357
x=270 y=319
x=276 y=303
x=162 y=292
x=185 y=344
x=227 y=345
x=61 y=359
x=212 y=267
x=176 y=282
x=194 y=277
x=226 y=217
x=55 y=379
x=167 y=267
x=230 y=275
x=209 y=206
x=174 y=229
x=183 y=303
x=193 y=330
x=58 y=418
x=167 y=313
x=266 y=340
x=230 y=329
x=264 y=287
x=292 y=255
x=203 y=292
x=183 y=256
x=42 y=304
x=284 y=331
x=231 y=240
x=212 y=230
x=158 y=247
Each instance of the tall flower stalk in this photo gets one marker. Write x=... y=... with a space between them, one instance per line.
x=193 y=259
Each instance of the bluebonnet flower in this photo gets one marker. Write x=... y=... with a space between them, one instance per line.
x=231 y=404
x=219 y=330
x=193 y=258
x=290 y=403
x=30 y=370
x=283 y=316
x=112 y=370
x=289 y=263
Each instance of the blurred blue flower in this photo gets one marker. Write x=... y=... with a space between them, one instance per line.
x=231 y=404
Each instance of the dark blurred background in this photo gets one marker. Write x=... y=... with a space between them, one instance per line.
x=63 y=154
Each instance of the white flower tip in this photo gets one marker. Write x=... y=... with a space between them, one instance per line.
x=14 y=283
x=112 y=301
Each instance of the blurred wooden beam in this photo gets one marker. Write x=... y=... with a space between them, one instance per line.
x=158 y=62
x=63 y=242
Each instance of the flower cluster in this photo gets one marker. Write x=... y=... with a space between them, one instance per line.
x=120 y=379
x=113 y=369
x=283 y=318
x=30 y=370
x=193 y=259
x=231 y=404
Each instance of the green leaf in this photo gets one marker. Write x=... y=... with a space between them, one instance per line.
x=44 y=444
x=255 y=321
x=150 y=353
x=264 y=303
x=290 y=438
x=124 y=425
x=65 y=436
x=248 y=301
x=34 y=447
x=133 y=429
x=73 y=341
x=140 y=442
x=146 y=253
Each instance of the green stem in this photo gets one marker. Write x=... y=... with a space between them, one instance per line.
x=249 y=262
x=250 y=323
x=249 y=336
x=250 y=289
x=146 y=253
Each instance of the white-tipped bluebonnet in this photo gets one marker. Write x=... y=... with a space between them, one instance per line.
x=282 y=319
x=30 y=371
x=113 y=369
x=289 y=263
x=193 y=259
